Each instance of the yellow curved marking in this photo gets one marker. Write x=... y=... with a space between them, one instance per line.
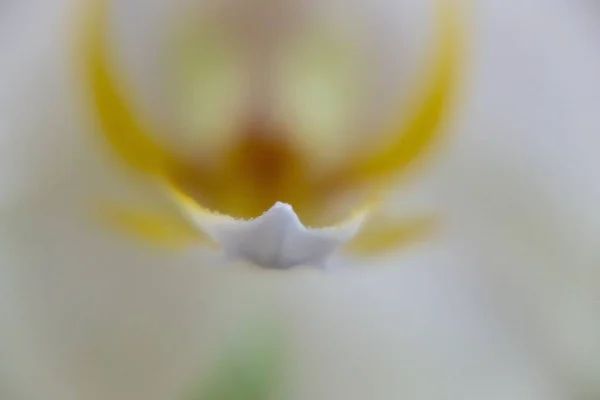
x=240 y=185
x=159 y=229
x=191 y=206
x=127 y=135
x=415 y=136
x=380 y=235
x=195 y=209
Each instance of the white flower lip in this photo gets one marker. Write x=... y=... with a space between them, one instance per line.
x=275 y=240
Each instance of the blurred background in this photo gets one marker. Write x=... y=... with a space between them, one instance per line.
x=503 y=302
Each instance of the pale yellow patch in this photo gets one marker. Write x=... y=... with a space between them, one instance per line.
x=167 y=231
x=210 y=88
x=382 y=234
x=319 y=86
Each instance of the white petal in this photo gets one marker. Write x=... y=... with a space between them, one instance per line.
x=101 y=321
x=277 y=239
x=528 y=173
x=66 y=283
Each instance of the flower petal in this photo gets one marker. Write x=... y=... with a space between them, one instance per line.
x=382 y=235
x=128 y=136
x=277 y=239
x=413 y=137
x=160 y=229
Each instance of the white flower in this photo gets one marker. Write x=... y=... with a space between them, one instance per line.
x=88 y=313
x=261 y=167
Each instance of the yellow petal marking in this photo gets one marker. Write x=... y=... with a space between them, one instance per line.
x=255 y=172
x=381 y=234
x=126 y=134
x=417 y=134
x=164 y=230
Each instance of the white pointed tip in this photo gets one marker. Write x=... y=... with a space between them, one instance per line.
x=277 y=239
x=279 y=206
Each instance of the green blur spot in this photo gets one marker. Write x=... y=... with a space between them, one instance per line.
x=249 y=370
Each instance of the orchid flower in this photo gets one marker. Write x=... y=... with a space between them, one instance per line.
x=254 y=199
x=90 y=311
